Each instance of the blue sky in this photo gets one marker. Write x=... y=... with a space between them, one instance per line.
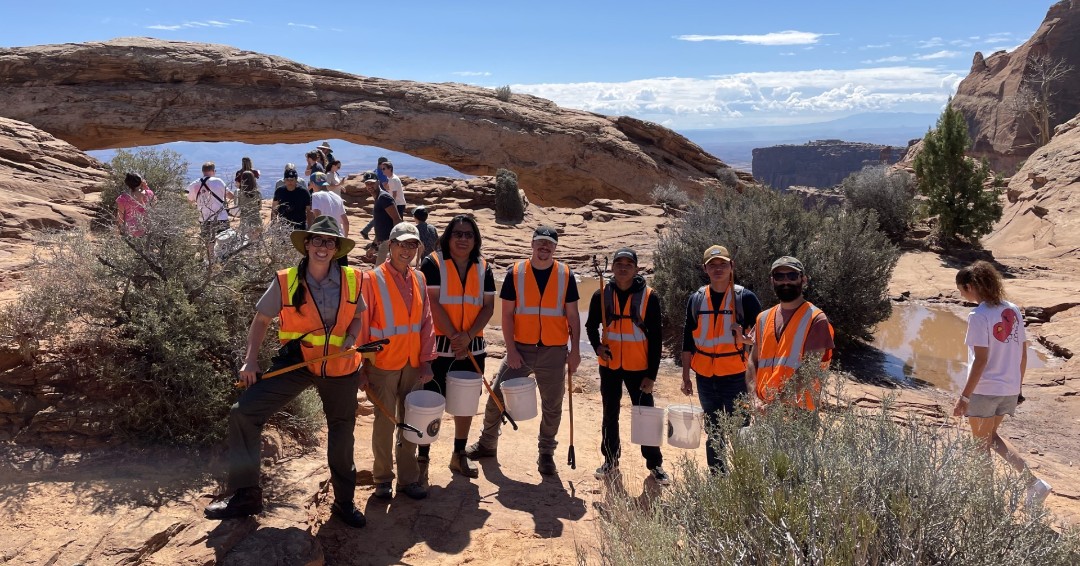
x=683 y=64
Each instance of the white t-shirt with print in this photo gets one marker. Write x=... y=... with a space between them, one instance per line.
x=1001 y=329
x=328 y=204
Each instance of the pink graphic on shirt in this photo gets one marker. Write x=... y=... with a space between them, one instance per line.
x=1004 y=329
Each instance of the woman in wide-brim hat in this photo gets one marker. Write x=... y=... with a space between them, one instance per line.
x=319 y=306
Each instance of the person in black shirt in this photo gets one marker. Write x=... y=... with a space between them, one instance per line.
x=385 y=215
x=291 y=202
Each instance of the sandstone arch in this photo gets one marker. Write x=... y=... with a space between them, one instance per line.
x=140 y=91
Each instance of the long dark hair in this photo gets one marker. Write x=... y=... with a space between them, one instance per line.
x=301 y=282
x=444 y=240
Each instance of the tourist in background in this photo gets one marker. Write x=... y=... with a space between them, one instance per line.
x=313 y=164
x=376 y=174
x=334 y=177
x=210 y=195
x=326 y=155
x=429 y=236
x=394 y=186
x=292 y=203
x=131 y=205
x=250 y=200
x=384 y=216
x=326 y=203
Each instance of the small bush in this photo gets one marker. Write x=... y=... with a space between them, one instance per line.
x=728 y=178
x=671 y=196
x=849 y=487
x=509 y=202
x=163 y=171
x=889 y=193
x=848 y=259
x=503 y=93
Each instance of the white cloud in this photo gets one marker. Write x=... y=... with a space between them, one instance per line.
x=240 y=21
x=190 y=25
x=937 y=55
x=307 y=26
x=876 y=46
x=786 y=53
x=164 y=27
x=932 y=42
x=787 y=37
x=472 y=73
x=889 y=59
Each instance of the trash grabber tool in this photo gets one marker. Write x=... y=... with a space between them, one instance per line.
x=382 y=409
x=375 y=346
x=498 y=404
x=603 y=313
x=570 y=459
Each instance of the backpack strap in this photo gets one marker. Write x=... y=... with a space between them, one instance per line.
x=698 y=299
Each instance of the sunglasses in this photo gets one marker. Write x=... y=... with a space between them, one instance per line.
x=318 y=242
x=786 y=276
x=386 y=168
x=409 y=244
x=463 y=234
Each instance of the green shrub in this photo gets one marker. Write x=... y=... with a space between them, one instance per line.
x=855 y=487
x=509 y=200
x=671 y=196
x=849 y=261
x=163 y=171
x=889 y=193
x=151 y=317
x=728 y=178
x=503 y=93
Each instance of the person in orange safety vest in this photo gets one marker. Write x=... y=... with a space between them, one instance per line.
x=320 y=308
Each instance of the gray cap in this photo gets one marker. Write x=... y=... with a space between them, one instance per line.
x=788 y=261
x=404 y=231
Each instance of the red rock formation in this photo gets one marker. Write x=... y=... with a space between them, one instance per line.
x=1004 y=138
x=139 y=91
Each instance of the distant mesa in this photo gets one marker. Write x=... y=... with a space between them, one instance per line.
x=139 y=91
x=819 y=164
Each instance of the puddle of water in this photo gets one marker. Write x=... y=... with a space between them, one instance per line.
x=927 y=343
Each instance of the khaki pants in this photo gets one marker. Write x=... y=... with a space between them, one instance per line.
x=382 y=252
x=391 y=387
x=548 y=365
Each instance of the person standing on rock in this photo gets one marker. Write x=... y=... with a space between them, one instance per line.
x=461 y=291
x=714 y=344
x=628 y=353
x=131 y=205
x=246 y=182
x=429 y=236
x=997 y=344
x=385 y=216
x=291 y=202
x=314 y=165
x=394 y=186
x=210 y=194
x=326 y=203
x=334 y=177
x=400 y=310
x=326 y=155
x=376 y=174
x=320 y=309
x=539 y=316
x=788 y=335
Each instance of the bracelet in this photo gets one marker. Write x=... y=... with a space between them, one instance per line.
x=965 y=399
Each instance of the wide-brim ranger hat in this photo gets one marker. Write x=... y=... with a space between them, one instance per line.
x=325 y=145
x=323 y=226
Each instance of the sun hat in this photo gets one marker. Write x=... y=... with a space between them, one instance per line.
x=404 y=231
x=323 y=226
x=715 y=252
x=325 y=145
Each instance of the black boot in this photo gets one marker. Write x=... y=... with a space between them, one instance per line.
x=244 y=502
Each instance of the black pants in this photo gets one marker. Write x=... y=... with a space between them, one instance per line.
x=611 y=388
x=717 y=396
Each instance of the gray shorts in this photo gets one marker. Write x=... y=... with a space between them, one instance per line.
x=988 y=406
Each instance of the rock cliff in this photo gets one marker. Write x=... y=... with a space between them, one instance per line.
x=1000 y=134
x=139 y=91
x=820 y=164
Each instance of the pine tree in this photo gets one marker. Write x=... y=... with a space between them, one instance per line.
x=954 y=184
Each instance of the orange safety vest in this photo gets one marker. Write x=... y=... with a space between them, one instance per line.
x=391 y=319
x=716 y=353
x=541 y=319
x=629 y=347
x=778 y=359
x=306 y=324
x=461 y=303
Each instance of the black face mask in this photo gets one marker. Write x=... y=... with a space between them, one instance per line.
x=788 y=292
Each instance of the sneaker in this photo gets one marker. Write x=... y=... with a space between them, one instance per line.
x=476 y=451
x=461 y=464
x=383 y=491
x=349 y=515
x=609 y=468
x=660 y=476
x=414 y=490
x=1036 y=493
x=545 y=464
x=244 y=502
x=365 y=234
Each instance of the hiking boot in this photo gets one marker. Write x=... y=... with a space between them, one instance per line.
x=545 y=464
x=349 y=515
x=660 y=476
x=476 y=451
x=383 y=490
x=461 y=464
x=1036 y=493
x=609 y=468
x=414 y=490
x=422 y=458
x=366 y=234
x=243 y=502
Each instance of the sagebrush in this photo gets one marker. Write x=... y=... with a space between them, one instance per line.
x=509 y=201
x=670 y=195
x=163 y=170
x=889 y=193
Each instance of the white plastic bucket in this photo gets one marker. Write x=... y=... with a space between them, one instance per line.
x=684 y=426
x=519 y=396
x=647 y=426
x=423 y=410
x=463 y=393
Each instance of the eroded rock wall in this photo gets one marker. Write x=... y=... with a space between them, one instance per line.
x=818 y=164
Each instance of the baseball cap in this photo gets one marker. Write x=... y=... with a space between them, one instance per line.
x=546 y=233
x=404 y=231
x=715 y=252
x=291 y=174
x=625 y=252
x=787 y=261
x=319 y=178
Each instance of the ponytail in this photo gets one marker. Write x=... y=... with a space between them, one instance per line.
x=301 y=282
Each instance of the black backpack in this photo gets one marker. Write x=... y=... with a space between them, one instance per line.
x=698 y=299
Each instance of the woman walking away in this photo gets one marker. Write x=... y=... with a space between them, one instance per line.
x=997 y=355
x=247 y=187
x=131 y=205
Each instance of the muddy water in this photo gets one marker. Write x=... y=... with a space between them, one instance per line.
x=926 y=343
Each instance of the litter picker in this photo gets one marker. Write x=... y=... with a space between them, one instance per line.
x=370 y=347
x=498 y=404
x=570 y=460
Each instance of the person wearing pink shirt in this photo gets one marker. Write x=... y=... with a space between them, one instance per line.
x=131 y=205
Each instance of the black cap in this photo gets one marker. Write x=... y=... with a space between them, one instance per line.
x=291 y=174
x=546 y=233
x=625 y=252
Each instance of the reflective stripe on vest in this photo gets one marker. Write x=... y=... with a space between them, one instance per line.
x=307 y=325
x=627 y=342
x=391 y=319
x=462 y=303
x=779 y=359
x=716 y=353
x=540 y=319
x=389 y=328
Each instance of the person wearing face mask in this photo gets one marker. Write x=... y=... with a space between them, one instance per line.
x=787 y=334
x=715 y=344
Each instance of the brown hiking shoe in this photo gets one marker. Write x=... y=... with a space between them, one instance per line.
x=461 y=464
x=476 y=451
